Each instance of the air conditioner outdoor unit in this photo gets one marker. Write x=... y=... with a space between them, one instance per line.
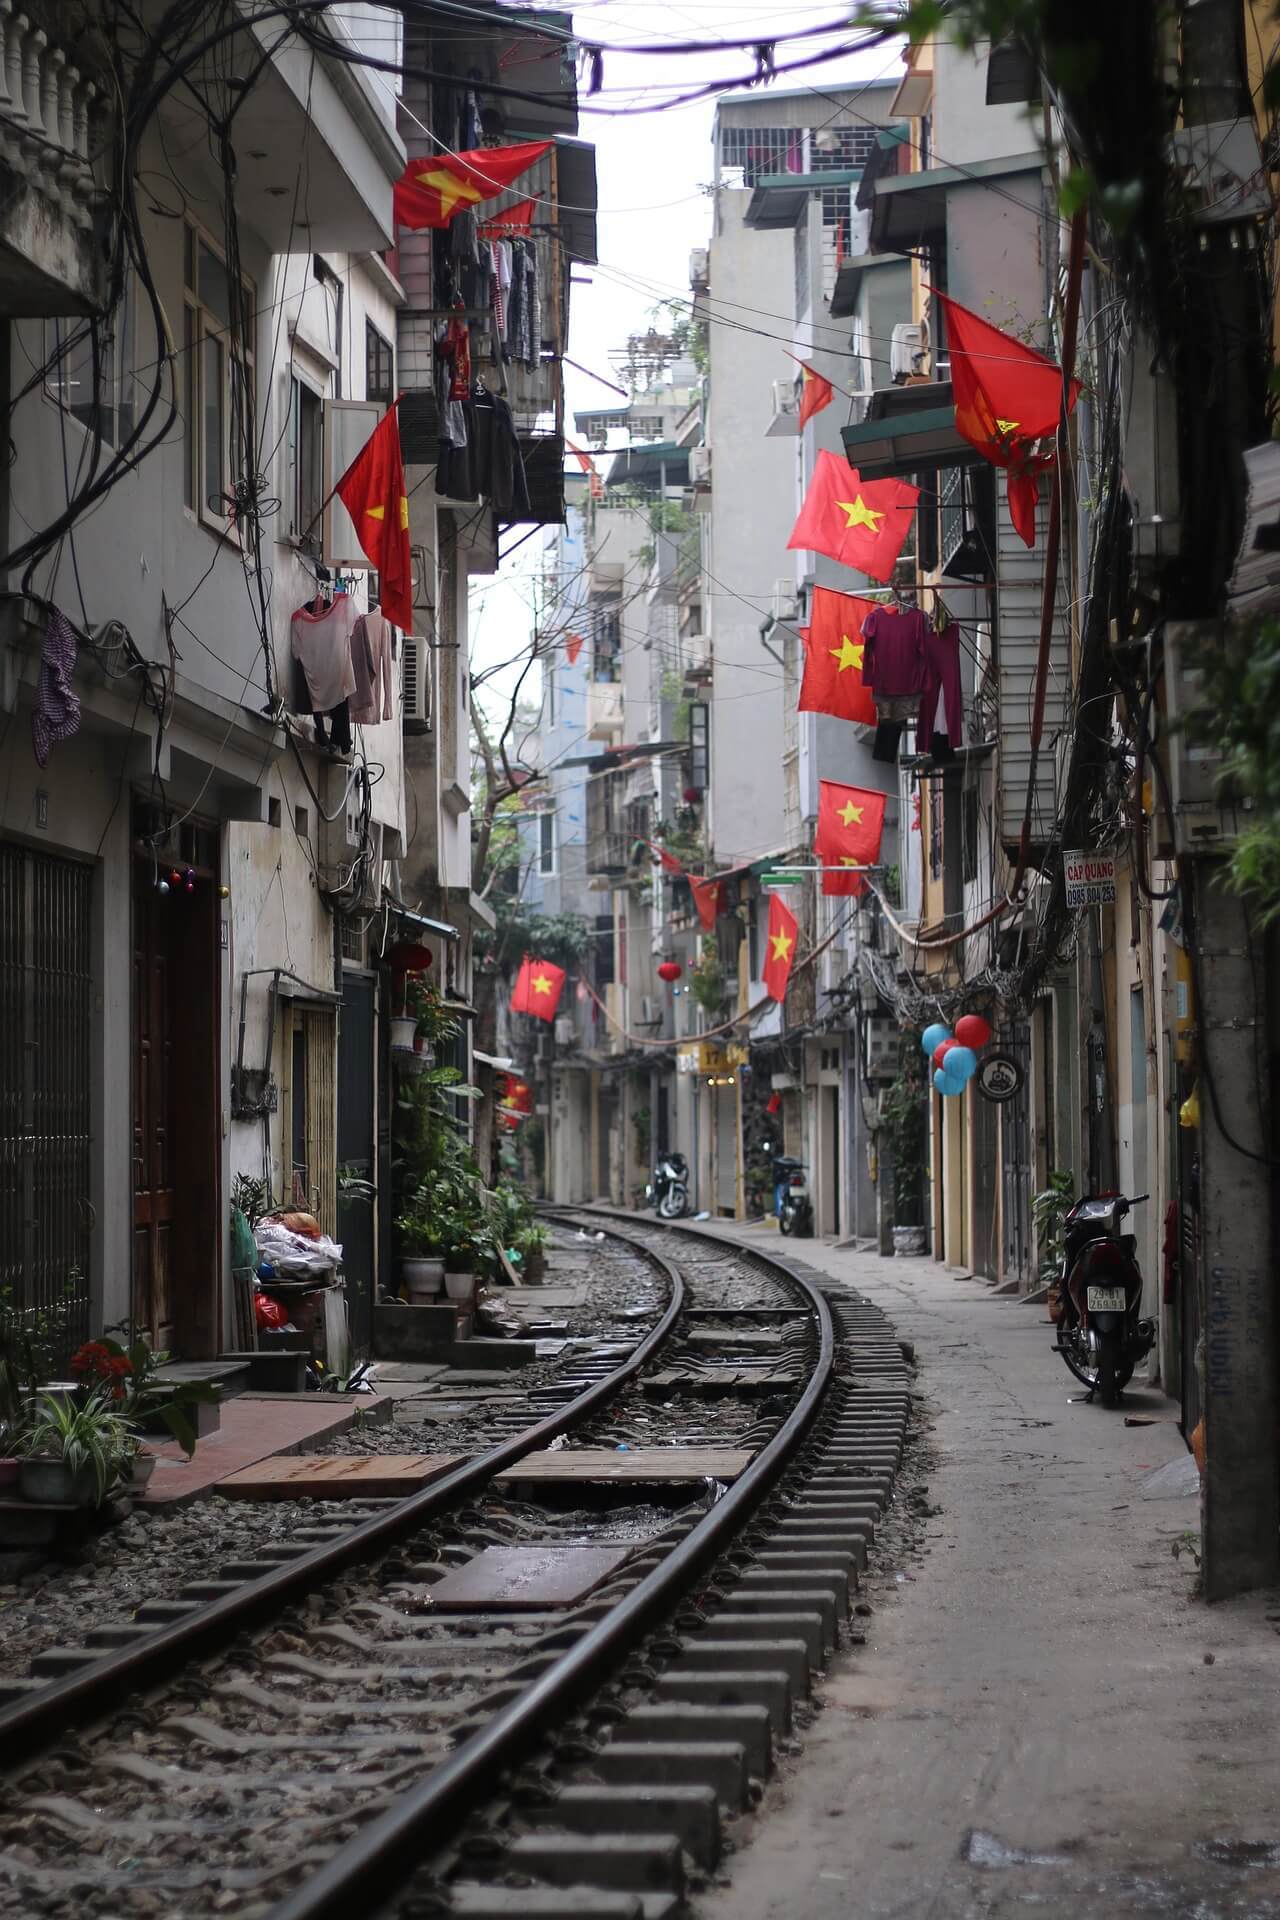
x=699 y=268
x=650 y=1011
x=564 y=1030
x=786 y=601
x=905 y=348
x=700 y=466
x=415 y=667
x=784 y=397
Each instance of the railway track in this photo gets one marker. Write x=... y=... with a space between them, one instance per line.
x=338 y=1732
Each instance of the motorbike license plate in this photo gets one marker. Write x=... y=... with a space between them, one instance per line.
x=1106 y=1299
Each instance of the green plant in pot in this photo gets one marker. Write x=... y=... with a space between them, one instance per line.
x=421 y=1242
x=531 y=1245
x=131 y=1379
x=73 y=1455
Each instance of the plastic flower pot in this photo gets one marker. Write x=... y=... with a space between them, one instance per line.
x=9 y=1471
x=141 y=1468
x=422 y=1277
x=460 y=1286
x=51 y=1483
x=404 y=1027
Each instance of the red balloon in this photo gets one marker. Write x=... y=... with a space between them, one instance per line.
x=941 y=1051
x=972 y=1030
x=670 y=970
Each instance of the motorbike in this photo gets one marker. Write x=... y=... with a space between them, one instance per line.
x=795 y=1208
x=668 y=1192
x=1098 y=1296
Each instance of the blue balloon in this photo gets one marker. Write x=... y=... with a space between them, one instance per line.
x=945 y=1084
x=932 y=1037
x=962 y=1063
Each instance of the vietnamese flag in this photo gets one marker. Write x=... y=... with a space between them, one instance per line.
x=780 y=948
x=517 y=218
x=431 y=191
x=838 y=885
x=1008 y=397
x=572 y=648
x=815 y=393
x=850 y=824
x=861 y=523
x=708 y=898
x=538 y=987
x=833 y=658
x=373 y=492
x=668 y=861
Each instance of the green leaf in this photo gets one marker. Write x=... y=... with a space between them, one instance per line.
x=180 y=1425
x=1075 y=191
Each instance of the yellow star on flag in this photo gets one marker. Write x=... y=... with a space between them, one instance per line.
x=404 y=511
x=541 y=984
x=851 y=815
x=1008 y=426
x=376 y=513
x=859 y=514
x=847 y=654
x=782 y=944
x=453 y=191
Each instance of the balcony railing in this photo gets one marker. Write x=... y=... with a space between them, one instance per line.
x=51 y=117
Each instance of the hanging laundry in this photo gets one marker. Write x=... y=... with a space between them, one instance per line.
x=371 y=643
x=321 y=639
x=942 y=685
x=895 y=662
x=57 y=710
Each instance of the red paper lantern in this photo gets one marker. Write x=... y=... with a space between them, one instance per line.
x=972 y=1030
x=941 y=1051
x=410 y=956
x=670 y=970
x=692 y=795
x=774 y=1103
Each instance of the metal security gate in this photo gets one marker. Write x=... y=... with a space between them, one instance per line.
x=45 y=998
x=1017 y=1162
x=355 y=1150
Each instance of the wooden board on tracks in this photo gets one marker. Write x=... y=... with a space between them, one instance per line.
x=338 y=1476
x=652 y=1465
x=529 y=1576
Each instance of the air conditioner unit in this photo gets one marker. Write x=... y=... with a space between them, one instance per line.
x=650 y=1011
x=905 y=349
x=784 y=397
x=786 y=602
x=415 y=670
x=880 y=1040
x=699 y=268
x=700 y=466
x=565 y=1031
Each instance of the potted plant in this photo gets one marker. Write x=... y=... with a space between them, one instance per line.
x=421 y=1250
x=72 y=1455
x=129 y=1377
x=531 y=1246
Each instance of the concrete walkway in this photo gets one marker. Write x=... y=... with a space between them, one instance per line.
x=1044 y=1719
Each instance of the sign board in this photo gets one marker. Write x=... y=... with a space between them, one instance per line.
x=999 y=1076
x=1090 y=879
x=705 y=1056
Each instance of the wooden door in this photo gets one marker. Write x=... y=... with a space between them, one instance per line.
x=155 y=1196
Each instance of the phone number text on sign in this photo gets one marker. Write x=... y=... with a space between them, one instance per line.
x=1090 y=879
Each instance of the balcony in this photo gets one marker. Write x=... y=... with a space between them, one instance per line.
x=53 y=117
x=604 y=710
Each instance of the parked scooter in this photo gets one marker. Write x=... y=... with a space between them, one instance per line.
x=795 y=1208
x=1099 y=1293
x=668 y=1192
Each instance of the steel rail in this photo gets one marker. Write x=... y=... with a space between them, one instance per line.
x=31 y=1723
x=379 y=1856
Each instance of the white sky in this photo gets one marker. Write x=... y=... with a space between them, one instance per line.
x=652 y=169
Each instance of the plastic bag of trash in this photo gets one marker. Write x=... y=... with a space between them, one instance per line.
x=295 y=1257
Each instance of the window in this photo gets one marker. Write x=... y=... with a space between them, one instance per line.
x=546 y=843
x=108 y=412
x=761 y=150
x=218 y=380
x=379 y=366
x=304 y=466
x=606 y=640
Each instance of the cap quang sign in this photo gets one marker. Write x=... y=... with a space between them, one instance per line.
x=1090 y=879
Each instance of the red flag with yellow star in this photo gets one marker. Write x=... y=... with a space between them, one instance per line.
x=862 y=523
x=1008 y=397
x=372 y=491
x=833 y=658
x=840 y=885
x=538 y=987
x=815 y=392
x=850 y=824
x=432 y=190
x=708 y=898
x=780 y=948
